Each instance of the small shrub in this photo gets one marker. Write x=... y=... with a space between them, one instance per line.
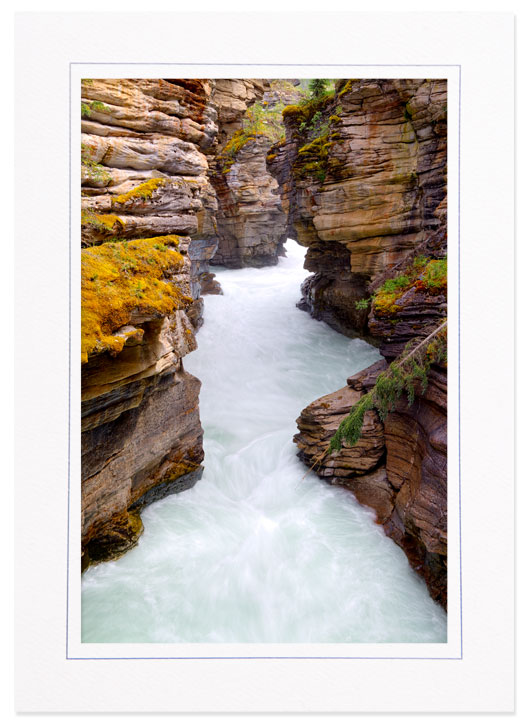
x=362 y=304
x=402 y=376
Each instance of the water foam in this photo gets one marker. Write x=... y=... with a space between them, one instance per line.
x=256 y=551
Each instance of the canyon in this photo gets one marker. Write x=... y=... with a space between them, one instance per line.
x=180 y=175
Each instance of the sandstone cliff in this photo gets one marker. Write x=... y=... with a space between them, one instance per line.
x=397 y=467
x=145 y=188
x=362 y=174
x=251 y=225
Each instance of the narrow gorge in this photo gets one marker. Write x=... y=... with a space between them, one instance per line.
x=201 y=202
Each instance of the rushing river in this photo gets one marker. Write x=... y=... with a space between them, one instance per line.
x=256 y=551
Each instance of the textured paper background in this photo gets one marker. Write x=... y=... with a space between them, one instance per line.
x=483 y=678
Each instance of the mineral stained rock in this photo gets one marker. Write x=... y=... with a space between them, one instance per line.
x=145 y=188
x=362 y=175
x=251 y=224
x=398 y=468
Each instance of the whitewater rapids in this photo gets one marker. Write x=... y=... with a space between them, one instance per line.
x=256 y=551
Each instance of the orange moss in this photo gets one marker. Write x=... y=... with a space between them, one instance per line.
x=142 y=191
x=120 y=277
x=227 y=156
x=101 y=221
x=347 y=88
x=422 y=274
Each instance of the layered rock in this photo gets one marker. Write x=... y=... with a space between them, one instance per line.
x=144 y=189
x=362 y=175
x=398 y=468
x=151 y=224
x=418 y=304
x=145 y=171
x=251 y=225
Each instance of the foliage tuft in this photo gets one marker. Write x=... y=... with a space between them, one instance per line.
x=407 y=374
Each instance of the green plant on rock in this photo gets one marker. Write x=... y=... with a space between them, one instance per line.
x=435 y=274
x=259 y=121
x=318 y=87
x=427 y=275
x=404 y=375
x=87 y=108
x=363 y=304
x=93 y=170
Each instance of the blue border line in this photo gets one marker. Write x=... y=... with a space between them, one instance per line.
x=270 y=657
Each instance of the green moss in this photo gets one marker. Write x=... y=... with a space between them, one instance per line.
x=142 y=191
x=294 y=111
x=347 y=88
x=403 y=375
x=305 y=112
x=312 y=158
x=429 y=275
x=87 y=108
x=435 y=275
x=259 y=121
x=239 y=139
x=103 y=222
x=118 y=278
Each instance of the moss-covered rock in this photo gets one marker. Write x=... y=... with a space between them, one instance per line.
x=120 y=277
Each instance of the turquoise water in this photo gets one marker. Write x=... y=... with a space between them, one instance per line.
x=257 y=551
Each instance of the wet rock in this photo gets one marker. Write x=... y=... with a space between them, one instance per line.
x=251 y=223
x=368 y=176
x=398 y=468
x=145 y=186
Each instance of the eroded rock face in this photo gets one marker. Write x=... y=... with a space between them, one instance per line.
x=145 y=153
x=417 y=310
x=251 y=224
x=369 y=175
x=398 y=468
x=145 y=187
x=151 y=224
x=362 y=175
x=151 y=442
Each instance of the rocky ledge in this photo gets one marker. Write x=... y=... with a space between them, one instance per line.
x=362 y=176
x=251 y=224
x=145 y=189
x=398 y=468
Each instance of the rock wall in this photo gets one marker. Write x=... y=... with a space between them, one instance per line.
x=398 y=468
x=151 y=224
x=145 y=189
x=362 y=175
x=251 y=225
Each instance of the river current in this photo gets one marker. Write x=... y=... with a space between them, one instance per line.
x=257 y=551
